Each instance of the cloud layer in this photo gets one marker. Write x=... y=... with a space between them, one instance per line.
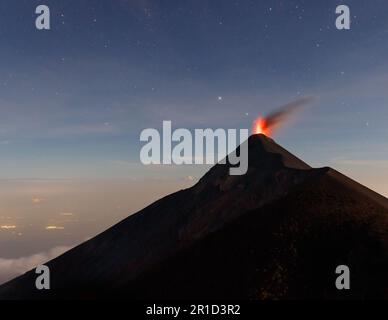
x=10 y=268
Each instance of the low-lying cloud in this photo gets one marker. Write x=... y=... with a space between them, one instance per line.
x=11 y=268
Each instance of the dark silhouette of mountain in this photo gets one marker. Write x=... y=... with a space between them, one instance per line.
x=277 y=232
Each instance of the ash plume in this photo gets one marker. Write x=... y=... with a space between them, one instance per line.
x=281 y=116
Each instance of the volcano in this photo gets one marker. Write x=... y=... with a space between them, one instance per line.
x=277 y=232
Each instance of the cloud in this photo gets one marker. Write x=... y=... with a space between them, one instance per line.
x=124 y=163
x=66 y=214
x=55 y=227
x=364 y=162
x=10 y=268
x=7 y=227
x=37 y=200
x=86 y=129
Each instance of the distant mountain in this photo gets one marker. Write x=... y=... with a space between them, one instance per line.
x=278 y=232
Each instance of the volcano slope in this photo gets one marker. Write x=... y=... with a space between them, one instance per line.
x=277 y=232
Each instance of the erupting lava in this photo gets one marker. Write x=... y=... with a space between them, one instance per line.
x=260 y=127
x=276 y=119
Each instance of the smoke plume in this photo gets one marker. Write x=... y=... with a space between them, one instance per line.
x=280 y=117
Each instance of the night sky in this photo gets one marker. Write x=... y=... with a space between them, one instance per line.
x=74 y=99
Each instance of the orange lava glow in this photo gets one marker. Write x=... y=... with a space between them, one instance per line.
x=260 y=127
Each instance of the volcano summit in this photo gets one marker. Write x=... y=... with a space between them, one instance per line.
x=277 y=232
